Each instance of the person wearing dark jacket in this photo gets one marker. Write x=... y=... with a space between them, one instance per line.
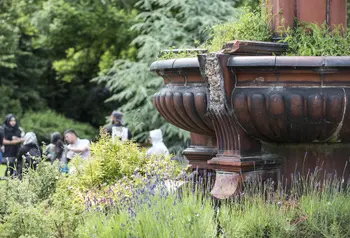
x=116 y=129
x=1 y=142
x=12 y=140
x=28 y=154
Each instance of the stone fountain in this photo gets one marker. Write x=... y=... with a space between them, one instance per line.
x=255 y=114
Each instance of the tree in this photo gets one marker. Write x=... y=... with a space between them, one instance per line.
x=161 y=25
x=82 y=38
x=50 y=50
x=20 y=66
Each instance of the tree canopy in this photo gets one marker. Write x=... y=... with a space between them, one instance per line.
x=160 y=25
x=83 y=59
x=50 y=51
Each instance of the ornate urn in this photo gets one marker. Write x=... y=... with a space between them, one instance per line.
x=254 y=115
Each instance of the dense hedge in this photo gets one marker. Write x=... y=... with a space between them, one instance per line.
x=44 y=123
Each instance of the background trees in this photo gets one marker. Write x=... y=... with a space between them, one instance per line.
x=50 y=50
x=160 y=25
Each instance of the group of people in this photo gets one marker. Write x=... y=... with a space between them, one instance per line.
x=20 y=150
x=118 y=130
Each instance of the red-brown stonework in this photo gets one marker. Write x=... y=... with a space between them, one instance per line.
x=262 y=116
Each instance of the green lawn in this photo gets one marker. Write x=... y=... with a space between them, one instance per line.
x=2 y=173
x=2 y=170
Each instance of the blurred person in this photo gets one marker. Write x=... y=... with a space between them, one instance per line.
x=28 y=154
x=12 y=140
x=158 y=147
x=117 y=129
x=1 y=143
x=57 y=150
x=76 y=146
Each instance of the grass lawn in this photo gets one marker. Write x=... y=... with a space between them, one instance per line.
x=2 y=170
x=2 y=174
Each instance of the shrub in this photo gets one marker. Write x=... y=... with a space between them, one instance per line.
x=256 y=217
x=140 y=204
x=54 y=217
x=250 y=25
x=173 y=53
x=314 y=207
x=114 y=170
x=46 y=122
x=160 y=216
x=36 y=186
x=325 y=216
x=112 y=161
x=309 y=39
x=25 y=204
x=46 y=203
x=306 y=39
x=26 y=221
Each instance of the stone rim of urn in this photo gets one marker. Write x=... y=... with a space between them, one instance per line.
x=276 y=99
x=234 y=104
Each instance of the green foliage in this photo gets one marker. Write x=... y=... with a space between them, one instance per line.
x=316 y=205
x=50 y=50
x=24 y=204
x=168 y=216
x=83 y=32
x=141 y=204
x=253 y=4
x=259 y=212
x=43 y=123
x=36 y=186
x=38 y=205
x=44 y=40
x=250 y=25
x=64 y=215
x=161 y=25
x=20 y=68
x=81 y=39
x=8 y=41
x=176 y=54
x=26 y=221
x=309 y=39
x=306 y=39
x=327 y=216
x=111 y=161
x=113 y=168
x=256 y=218
x=12 y=105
